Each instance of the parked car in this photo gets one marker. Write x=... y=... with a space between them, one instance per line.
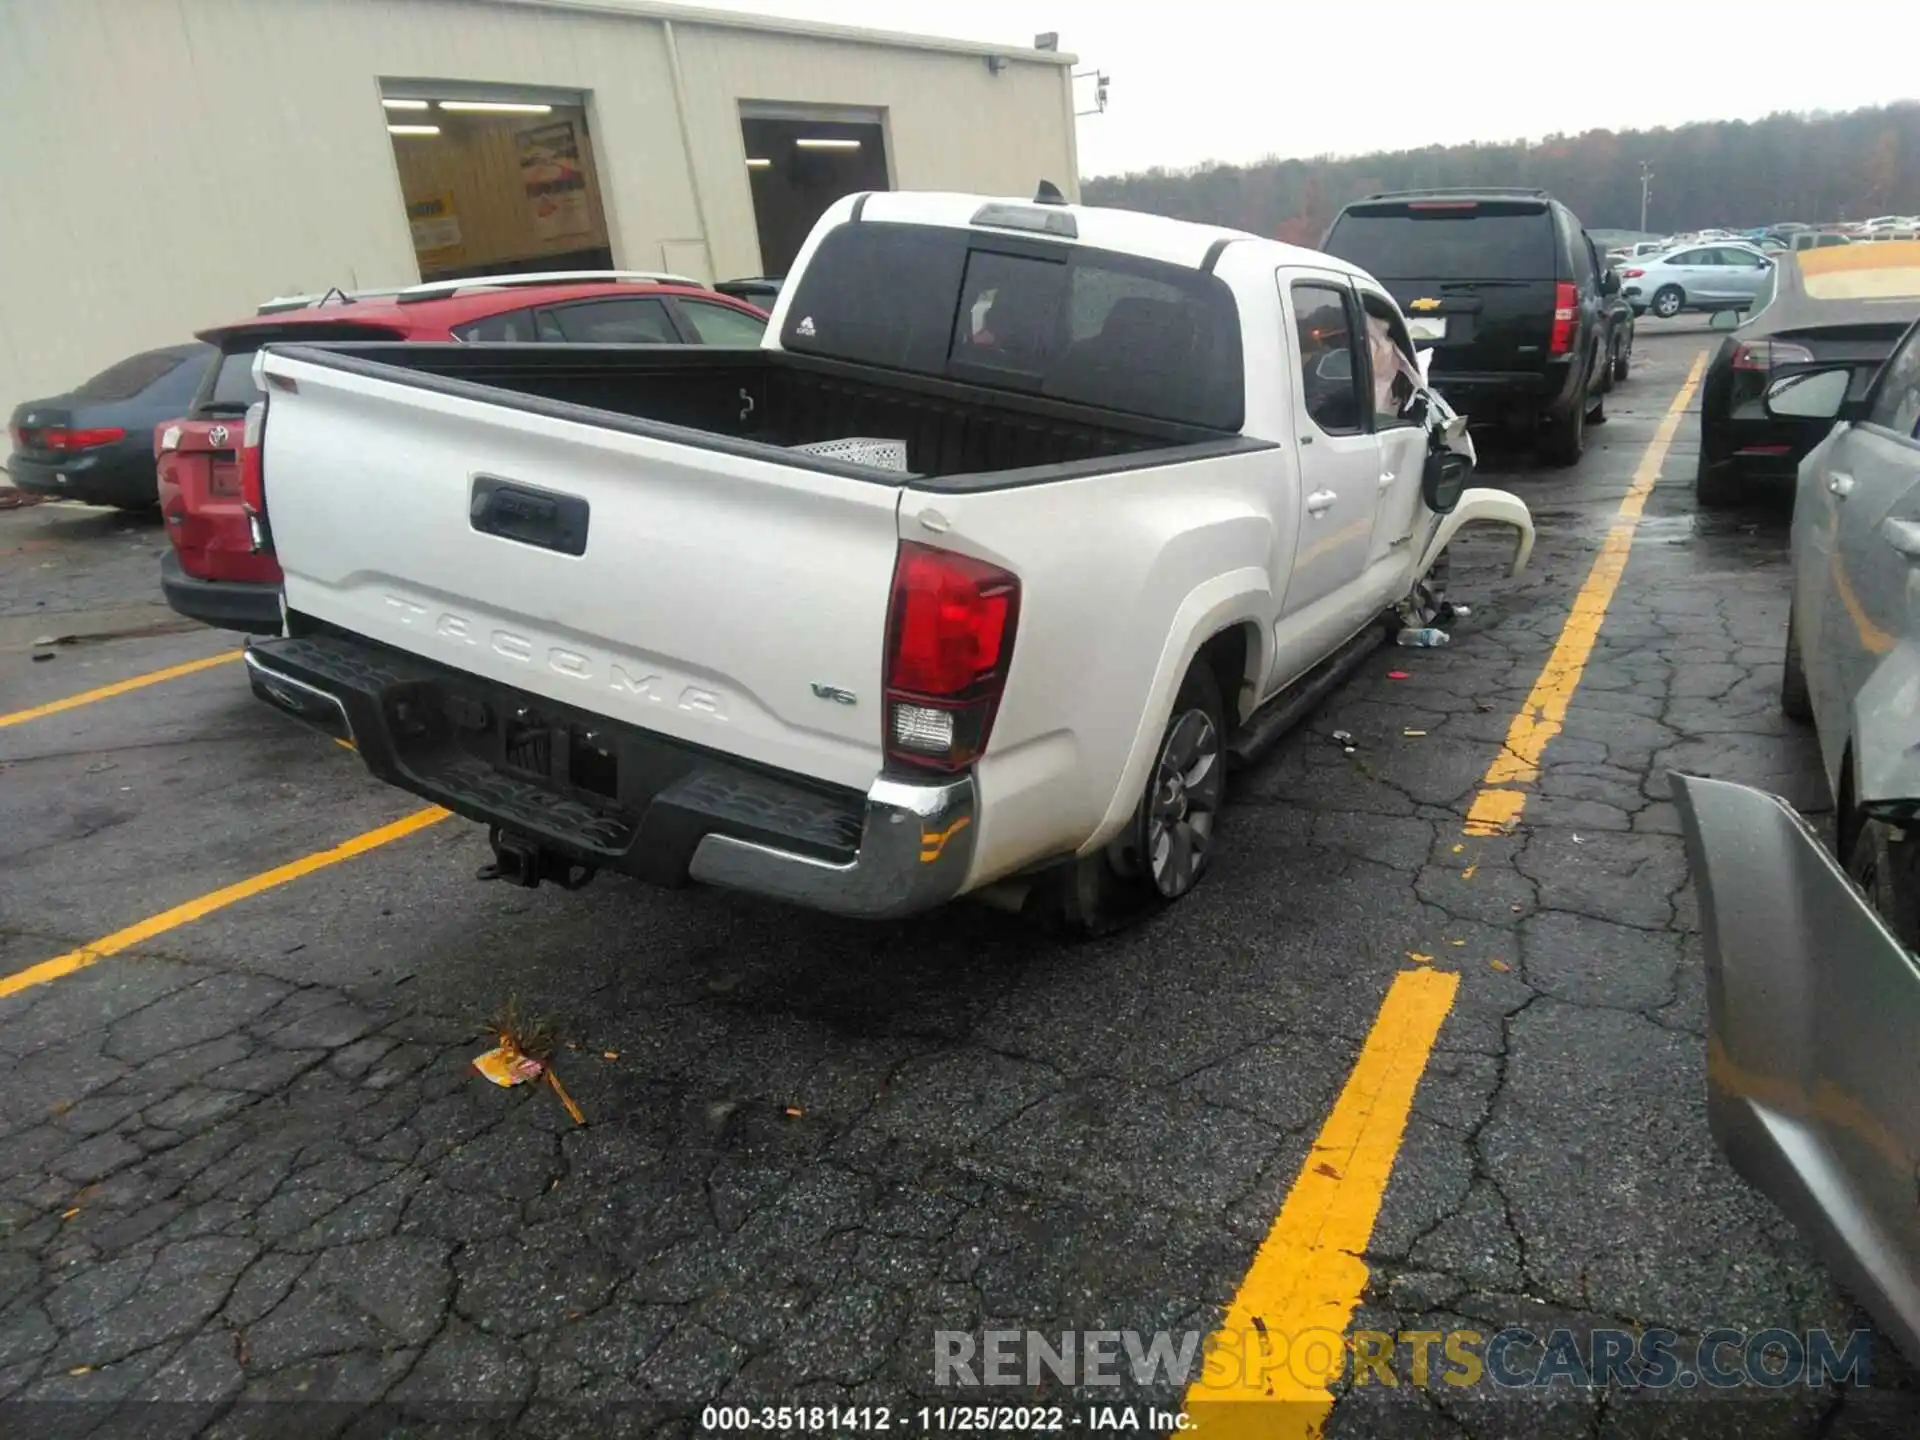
x=1853 y=635
x=1722 y=276
x=1812 y=1006
x=1024 y=519
x=1823 y=308
x=1511 y=293
x=1819 y=239
x=95 y=443
x=214 y=572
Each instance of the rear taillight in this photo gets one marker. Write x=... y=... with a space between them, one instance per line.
x=253 y=488
x=1763 y=355
x=1633 y=274
x=949 y=642
x=1566 y=309
x=69 y=440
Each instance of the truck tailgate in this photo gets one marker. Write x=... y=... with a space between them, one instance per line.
x=699 y=593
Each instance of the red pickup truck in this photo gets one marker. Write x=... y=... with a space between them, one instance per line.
x=213 y=573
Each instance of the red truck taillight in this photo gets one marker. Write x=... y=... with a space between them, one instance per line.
x=1566 y=310
x=949 y=642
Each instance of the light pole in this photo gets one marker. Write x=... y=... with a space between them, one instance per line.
x=1646 y=189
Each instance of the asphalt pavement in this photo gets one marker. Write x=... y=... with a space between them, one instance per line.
x=244 y=1157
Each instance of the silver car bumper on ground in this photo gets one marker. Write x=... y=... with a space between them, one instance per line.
x=1813 y=1042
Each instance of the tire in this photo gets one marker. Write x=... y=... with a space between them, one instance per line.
x=1564 y=441
x=1101 y=893
x=1885 y=863
x=1668 y=301
x=1597 y=399
x=1622 y=364
x=1713 y=489
x=1170 y=843
x=1796 y=703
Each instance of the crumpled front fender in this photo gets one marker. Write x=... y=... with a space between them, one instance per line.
x=1497 y=507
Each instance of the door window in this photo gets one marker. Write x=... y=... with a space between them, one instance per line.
x=722 y=324
x=1896 y=403
x=616 y=322
x=1331 y=365
x=1690 y=257
x=1395 y=374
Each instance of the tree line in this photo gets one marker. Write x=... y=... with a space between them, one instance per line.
x=1734 y=173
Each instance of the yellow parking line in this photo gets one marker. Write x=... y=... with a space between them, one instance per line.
x=119 y=687
x=1281 y=1343
x=206 y=904
x=1270 y=1368
x=1497 y=807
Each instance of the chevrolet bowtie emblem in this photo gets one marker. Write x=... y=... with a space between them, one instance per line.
x=1423 y=304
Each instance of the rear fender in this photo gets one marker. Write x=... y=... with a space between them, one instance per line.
x=1496 y=507
x=1238 y=598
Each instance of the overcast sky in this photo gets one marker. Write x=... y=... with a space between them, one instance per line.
x=1197 y=80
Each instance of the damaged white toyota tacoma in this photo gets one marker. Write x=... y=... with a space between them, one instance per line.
x=1026 y=520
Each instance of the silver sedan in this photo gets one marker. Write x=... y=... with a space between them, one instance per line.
x=1725 y=275
x=1853 y=631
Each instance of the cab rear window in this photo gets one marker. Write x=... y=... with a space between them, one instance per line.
x=1069 y=322
x=1448 y=240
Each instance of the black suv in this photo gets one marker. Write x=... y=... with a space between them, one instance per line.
x=1509 y=291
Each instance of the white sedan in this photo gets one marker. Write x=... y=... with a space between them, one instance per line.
x=1726 y=275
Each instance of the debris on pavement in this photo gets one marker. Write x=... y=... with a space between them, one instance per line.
x=1426 y=637
x=794 y=1112
x=522 y=1056
x=1498 y=964
x=1418 y=958
x=1413 y=734
x=1399 y=675
x=1343 y=737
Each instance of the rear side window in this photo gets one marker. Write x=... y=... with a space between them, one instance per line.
x=617 y=322
x=233 y=386
x=722 y=324
x=1330 y=365
x=1068 y=322
x=513 y=327
x=1448 y=240
x=132 y=375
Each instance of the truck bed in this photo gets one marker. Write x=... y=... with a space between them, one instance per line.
x=754 y=402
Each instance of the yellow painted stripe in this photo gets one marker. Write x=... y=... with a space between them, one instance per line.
x=1270 y=1366
x=119 y=687
x=206 y=904
x=1497 y=807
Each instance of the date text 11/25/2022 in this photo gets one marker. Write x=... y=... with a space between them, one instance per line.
x=942 y=1419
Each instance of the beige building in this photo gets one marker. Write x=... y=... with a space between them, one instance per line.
x=170 y=164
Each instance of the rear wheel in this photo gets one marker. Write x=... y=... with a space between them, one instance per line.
x=1884 y=861
x=1796 y=702
x=1564 y=441
x=1622 y=362
x=1667 y=301
x=1597 y=399
x=1170 y=843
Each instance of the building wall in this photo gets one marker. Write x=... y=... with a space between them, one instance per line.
x=171 y=163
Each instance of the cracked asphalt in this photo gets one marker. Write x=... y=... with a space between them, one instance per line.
x=247 y=1160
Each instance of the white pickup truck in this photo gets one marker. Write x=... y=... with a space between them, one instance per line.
x=1024 y=521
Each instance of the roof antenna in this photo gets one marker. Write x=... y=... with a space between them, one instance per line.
x=1048 y=194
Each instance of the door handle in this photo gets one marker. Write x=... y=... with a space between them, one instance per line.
x=1387 y=477
x=1839 y=484
x=1320 y=501
x=1904 y=536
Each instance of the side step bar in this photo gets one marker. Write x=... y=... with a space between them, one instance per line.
x=1293 y=704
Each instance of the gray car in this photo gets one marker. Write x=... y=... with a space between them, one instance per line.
x=1852 y=661
x=1723 y=275
x=1813 y=1090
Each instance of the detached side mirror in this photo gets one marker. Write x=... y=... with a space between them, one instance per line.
x=1810 y=395
x=1610 y=282
x=1443 y=480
